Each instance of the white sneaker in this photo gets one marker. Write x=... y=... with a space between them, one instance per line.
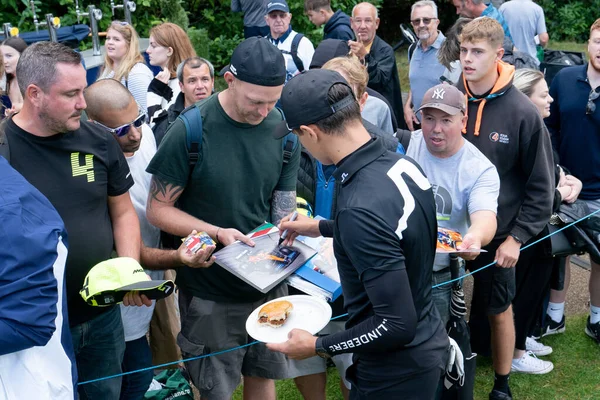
x=530 y=364
x=537 y=348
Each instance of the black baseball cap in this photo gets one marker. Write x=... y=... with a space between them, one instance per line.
x=327 y=50
x=257 y=61
x=278 y=5
x=305 y=99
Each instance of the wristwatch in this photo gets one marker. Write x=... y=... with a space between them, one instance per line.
x=516 y=238
x=320 y=350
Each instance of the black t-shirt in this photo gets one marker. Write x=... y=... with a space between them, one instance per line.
x=386 y=225
x=77 y=171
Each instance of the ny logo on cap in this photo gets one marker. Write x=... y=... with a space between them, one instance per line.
x=438 y=94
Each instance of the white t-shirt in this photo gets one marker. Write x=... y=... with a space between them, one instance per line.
x=136 y=320
x=306 y=51
x=462 y=184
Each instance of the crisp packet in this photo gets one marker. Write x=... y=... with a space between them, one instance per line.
x=198 y=241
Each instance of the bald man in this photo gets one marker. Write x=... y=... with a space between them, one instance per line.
x=112 y=107
x=378 y=56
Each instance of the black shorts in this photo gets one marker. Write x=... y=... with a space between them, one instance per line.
x=494 y=287
x=420 y=386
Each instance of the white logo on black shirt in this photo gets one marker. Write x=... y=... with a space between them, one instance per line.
x=344 y=176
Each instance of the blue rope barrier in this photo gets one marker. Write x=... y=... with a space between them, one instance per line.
x=332 y=319
x=522 y=248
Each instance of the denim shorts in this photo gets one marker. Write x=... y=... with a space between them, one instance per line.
x=207 y=327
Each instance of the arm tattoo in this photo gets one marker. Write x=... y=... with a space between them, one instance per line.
x=282 y=204
x=163 y=191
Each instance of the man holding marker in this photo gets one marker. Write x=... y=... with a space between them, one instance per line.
x=377 y=56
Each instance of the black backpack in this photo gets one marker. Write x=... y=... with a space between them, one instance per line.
x=294 y=51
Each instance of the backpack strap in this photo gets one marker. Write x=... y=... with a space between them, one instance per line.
x=4 y=149
x=403 y=136
x=192 y=120
x=289 y=143
x=411 y=50
x=294 y=51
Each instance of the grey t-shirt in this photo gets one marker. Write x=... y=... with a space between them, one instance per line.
x=525 y=20
x=462 y=184
x=254 y=11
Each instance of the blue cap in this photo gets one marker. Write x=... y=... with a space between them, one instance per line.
x=278 y=5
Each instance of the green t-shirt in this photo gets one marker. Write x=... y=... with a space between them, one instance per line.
x=239 y=167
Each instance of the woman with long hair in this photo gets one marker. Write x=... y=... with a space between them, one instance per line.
x=124 y=62
x=11 y=50
x=169 y=47
x=538 y=281
x=449 y=53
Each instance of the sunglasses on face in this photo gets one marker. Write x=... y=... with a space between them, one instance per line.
x=426 y=21
x=591 y=106
x=124 y=129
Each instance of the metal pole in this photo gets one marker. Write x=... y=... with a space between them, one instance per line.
x=127 y=12
x=7 y=26
x=51 y=28
x=35 y=19
x=94 y=23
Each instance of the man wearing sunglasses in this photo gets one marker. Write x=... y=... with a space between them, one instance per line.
x=574 y=124
x=111 y=107
x=83 y=173
x=424 y=69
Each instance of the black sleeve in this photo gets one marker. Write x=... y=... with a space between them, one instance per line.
x=553 y=121
x=380 y=67
x=538 y=165
x=374 y=250
x=160 y=88
x=393 y=325
x=326 y=227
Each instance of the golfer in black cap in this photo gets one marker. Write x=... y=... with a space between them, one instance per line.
x=384 y=234
x=239 y=181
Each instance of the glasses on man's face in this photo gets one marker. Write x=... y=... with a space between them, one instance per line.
x=124 y=129
x=591 y=106
x=280 y=15
x=417 y=22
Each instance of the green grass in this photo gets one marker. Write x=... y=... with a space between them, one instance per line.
x=568 y=46
x=576 y=373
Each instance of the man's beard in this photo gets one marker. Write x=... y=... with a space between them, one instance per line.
x=52 y=124
x=423 y=35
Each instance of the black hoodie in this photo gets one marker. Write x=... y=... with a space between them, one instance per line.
x=338 y=27
x=507 y=128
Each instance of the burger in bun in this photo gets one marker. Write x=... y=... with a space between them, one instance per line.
x=275 y=313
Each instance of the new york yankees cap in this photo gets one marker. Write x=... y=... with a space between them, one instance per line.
x=305 y=99
x=446 y=98
x=108 y=282
x=257 y=61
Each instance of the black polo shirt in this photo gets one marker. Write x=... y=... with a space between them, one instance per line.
x=386 y=227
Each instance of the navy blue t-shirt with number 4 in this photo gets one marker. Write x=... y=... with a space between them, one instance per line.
x=385 y=234
x=77 y=171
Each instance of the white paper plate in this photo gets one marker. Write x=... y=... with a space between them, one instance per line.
x=309 y=313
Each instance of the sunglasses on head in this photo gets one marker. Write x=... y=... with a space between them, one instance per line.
x=426 y=21
x=591 y=106
x=124 y=129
